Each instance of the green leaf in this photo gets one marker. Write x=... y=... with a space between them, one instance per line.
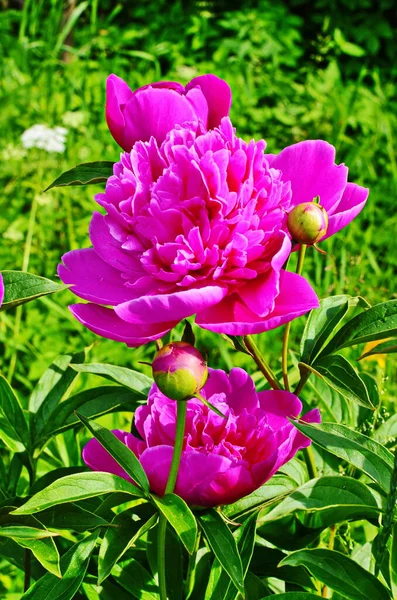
x=393 y=562
x=338 y=572
x=275 y=488
x=388 y=347
x=357 y=449
x=13 y=427
x=90 y=403
x=223 y=545
x=45 y=551
x=245 y=537
x=127 y=377
x=77 y=487
x=21 y=287
x=321 y=325
x=74 y=565
x=53 y=385
x=119 y=451
x=296 y=596
x=328 y=500
x=84 y=174
x=180 y=517
x=376 y=323
x=125 y=529
x=342 y=377
x=136 y=580
x=71 y=516
x=22 y=532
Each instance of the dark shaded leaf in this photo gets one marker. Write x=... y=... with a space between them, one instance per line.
x=321 y=325
x=136 y=580
x=126 y=528
x=53 y=385
x=13 y=427
x=393 y=562
x=376 y=323
x=84 y=174
x=342 y=377
x=339 y=572
x=357 y=449
x=71 y=516
x=277 y=487
x=388 y=347
x=223 y=545
x=90 y=403
x=74 y=565
x=329 y=500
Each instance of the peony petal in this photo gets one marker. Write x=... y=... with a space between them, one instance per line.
x=154 y=112
x=177 y=306
x=105 y=322
x=108 y=248
x=98 y=459
x=351 y=204
x=243 y=394
x=300 y=440
x=92 y=278
x=232 y=317
x=117 y=95
x=311 y=169
x=218 y=95
x=203 y=479
x=1 y=290
x=280 y=406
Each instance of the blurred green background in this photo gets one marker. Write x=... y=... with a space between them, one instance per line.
x=298 y=70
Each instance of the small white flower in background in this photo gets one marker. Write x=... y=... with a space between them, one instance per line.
x=41 y=136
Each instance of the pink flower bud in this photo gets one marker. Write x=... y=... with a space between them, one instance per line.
x=307 y=223
x=179 y=370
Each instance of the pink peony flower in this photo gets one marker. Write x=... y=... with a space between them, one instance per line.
x=222 y=459
x=153 y=110
x=1 y=290
x=193 y=226
x=311 y=170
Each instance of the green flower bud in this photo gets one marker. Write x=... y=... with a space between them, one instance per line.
x=179 y=370
x=307 y=223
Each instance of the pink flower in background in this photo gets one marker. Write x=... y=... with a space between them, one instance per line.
x=153 y=110
x=1 y=290
x=311 y=169
x=193 y=225
x=223 y=459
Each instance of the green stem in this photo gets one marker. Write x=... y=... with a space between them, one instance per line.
x=387 y=520
x=189 y=582
x=310 y=462
x=25 y=266
x=172 y=477
x=284 y=354
x=260 y=361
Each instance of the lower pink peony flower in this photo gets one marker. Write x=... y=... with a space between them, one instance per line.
x=222 y=459
x=195 y=225
x=1 y=290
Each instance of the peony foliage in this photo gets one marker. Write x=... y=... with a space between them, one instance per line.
x=183 y=480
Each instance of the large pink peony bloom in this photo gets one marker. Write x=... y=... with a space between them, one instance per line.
x=310 y=167
x=153 y=110
x=1 y=290
x=223 y=459
x=193 y=226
